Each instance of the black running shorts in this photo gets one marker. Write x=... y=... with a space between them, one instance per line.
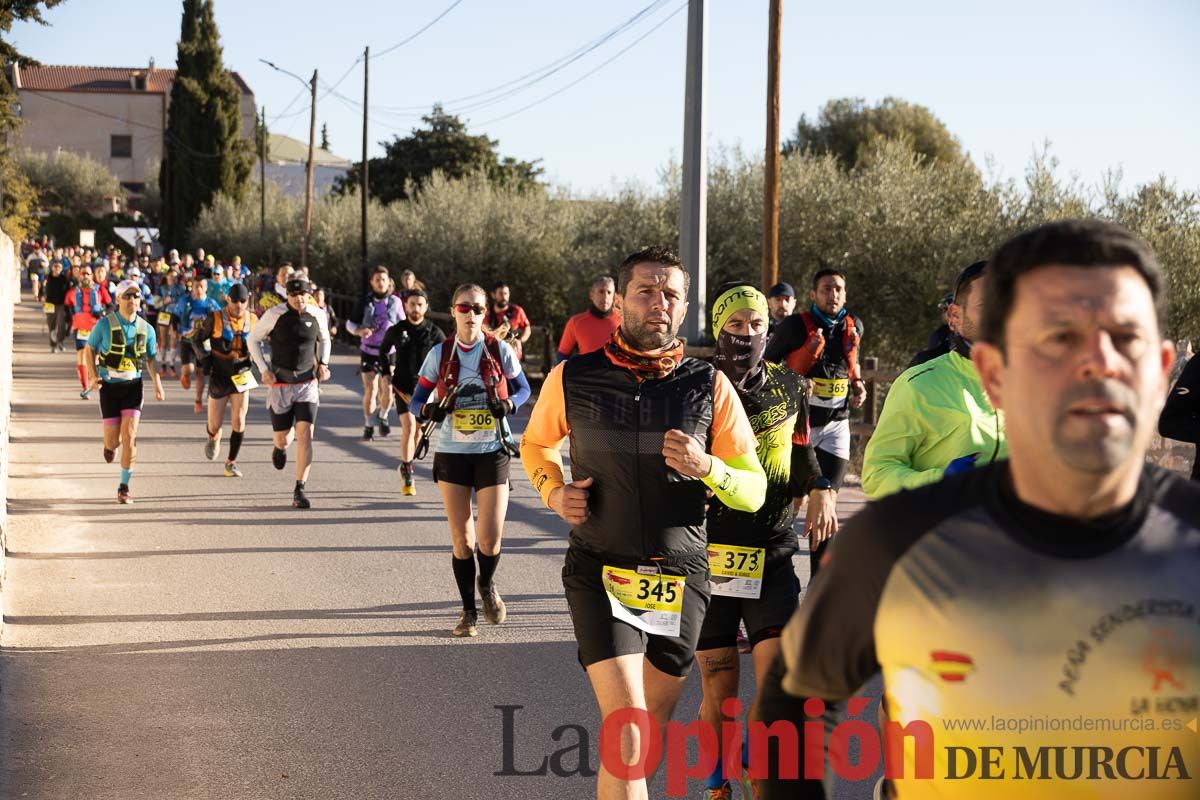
x=478 y=470
x=602 y=637
x=299 y=412
x=120 y=396
x=373 y=365
x=764 y=617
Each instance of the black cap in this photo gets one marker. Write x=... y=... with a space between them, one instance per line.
x=239 y=292
x=298 y=286
x=782 y=290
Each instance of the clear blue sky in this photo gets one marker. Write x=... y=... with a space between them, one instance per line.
x=1110 y=84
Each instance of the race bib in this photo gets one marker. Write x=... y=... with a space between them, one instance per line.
x=651 y=602
x=473 y=427
x=164 y=318
x=82 y=335
x=244 y=381
x=736 y=571
x=832 y=389
x=48 y=308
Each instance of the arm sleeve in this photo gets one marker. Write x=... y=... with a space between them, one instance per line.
x=736 y=478
x=567 y=343
x=544 y=435
x=260 y=332
x=888 y=461
x=514 y=373
x=324 y=345
x=1180 y=418
x=805 y=467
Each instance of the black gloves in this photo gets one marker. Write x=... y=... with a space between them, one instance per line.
x=501 y=408
x=433 y=412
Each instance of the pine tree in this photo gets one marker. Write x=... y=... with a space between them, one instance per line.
x=324 y=136
x=204 y=152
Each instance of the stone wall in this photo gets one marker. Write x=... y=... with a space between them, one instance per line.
x=10 y=295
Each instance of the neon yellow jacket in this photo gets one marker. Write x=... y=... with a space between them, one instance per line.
x=935 y=412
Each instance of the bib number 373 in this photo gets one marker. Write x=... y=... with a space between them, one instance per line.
x=651 y=602
x=736 y=571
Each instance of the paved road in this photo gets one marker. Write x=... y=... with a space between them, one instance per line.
x=212 y=642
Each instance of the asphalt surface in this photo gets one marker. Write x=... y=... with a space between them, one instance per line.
x=210 y=641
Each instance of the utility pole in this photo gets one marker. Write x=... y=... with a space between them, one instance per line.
x=363 y=190
x=770 y=252
x=693 y=207
x=262 y=178
x=308 y=188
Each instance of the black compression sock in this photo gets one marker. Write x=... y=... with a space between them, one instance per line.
x=235 y=444
x=464 y=576
x=487 y=567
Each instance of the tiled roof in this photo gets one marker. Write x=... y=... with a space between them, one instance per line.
x=286 y=150
x=55 y=78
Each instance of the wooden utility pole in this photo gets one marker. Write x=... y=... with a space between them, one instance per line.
x=363 y=190
x=770 y=246
x=308 y=181
x=262 y=178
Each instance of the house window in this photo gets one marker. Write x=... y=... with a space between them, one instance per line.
x=122 y=147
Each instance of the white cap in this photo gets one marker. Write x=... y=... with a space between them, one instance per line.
x=125 y=286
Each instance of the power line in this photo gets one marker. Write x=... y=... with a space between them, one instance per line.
x=403 y=42
x=282 y=114
x=588 y=74
x=546 y=70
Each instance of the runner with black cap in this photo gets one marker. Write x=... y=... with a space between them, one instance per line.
x=300 y=350
x=781 y=302
x=225 y=335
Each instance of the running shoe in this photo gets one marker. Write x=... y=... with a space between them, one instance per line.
x=232 y=471
x=368 y=433
x=384 y=428
x=278 y=458
x=300 y=500
x=123 y=495
x=185 y=380
x=406 y=480
x=85 y=394
x=467 y=624
x=109 y=455
x=494 y=610
x=725 y=792
x=210 y=449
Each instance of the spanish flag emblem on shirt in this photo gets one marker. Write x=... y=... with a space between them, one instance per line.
x=950 y=666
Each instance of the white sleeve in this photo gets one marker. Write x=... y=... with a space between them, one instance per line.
x=324 y=345
x=266 y=323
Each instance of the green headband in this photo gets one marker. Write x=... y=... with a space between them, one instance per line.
x=735 y=299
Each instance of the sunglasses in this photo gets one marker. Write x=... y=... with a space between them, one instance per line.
x=468 y=308
x=239 y=302
x=131 y=296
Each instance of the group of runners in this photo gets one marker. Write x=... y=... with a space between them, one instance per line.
x=1010 y=494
